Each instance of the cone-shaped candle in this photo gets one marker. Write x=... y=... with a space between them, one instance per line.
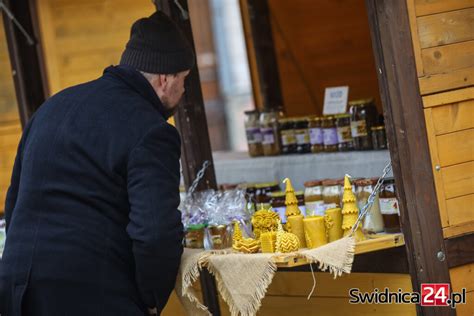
x=291 y=201
x=350 y=211
x=236 y=236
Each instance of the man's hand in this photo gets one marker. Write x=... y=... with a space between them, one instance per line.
x=152 y=311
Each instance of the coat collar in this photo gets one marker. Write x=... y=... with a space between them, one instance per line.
x=140 y=84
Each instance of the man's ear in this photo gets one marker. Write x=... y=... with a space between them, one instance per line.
x=162 y=81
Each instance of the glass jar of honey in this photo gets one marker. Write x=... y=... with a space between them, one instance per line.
x=287 y=134
x=329 y=134
x=344 y=136
x=363 y=117
x=254 y=136
x=379 y=138
x=302 y=136
x=270 y=133
x=277 y=200
x=313 y=198
x=331 y=193
x=389 y=206
x=315 y=134
x=194 y=237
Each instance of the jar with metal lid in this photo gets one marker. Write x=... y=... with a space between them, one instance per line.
x=277 y=200
x=313 y=198
x=252 y=130
x=344 y=136
x=315 y=134
x=302 y=135
x=389 y=206
x=287 y=134
x=363 y=116
x=262 y=197
x=218 y=236
x=194 y=237
x=331 y=193
x=379 y=138
x=328 y=125
x=373 y=221
x=270 y=133
x=250 y=196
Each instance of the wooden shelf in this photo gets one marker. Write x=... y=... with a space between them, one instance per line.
x=375 y=243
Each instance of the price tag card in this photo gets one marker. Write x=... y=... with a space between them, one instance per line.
x=335 y=100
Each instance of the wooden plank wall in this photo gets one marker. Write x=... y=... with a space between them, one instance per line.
x=10 y=128
x=287 y=295
x=443 y=40
x=321 y=44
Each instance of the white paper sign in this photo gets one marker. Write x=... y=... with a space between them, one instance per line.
x=335 y=100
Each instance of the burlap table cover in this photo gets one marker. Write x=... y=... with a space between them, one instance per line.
x=243 y=279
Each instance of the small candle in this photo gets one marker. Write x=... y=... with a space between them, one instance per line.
x=297 y=228
x=268 y=242
x=334 y=224
x=315 y=231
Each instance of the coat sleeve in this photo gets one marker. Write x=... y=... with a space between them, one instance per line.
x=155 y=222
x=12 y=192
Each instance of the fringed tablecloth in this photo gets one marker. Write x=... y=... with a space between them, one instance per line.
x=243 y=279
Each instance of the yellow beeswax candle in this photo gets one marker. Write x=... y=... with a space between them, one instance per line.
x=268 y=242
x=297 y=228
x=334 y=224
x=315 y=231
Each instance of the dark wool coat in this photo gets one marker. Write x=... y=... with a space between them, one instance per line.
x=92 y=220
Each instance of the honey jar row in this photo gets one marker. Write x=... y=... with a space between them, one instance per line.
x=270 y=133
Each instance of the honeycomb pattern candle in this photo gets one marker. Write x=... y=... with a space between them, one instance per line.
x=296 y=227
x=315 y=231
x=268 y=242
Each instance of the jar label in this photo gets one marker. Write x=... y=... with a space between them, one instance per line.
x=359 y=128
x=316 y=136
x=389 y=206
x=268 y=136
x=302 y=137
x=253 y=135
x=315 y=208
x=344 y=134
x=288 y=138
x=330 y=136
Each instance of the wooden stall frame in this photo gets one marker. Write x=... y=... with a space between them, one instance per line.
x=429 y=254
x=27 y=61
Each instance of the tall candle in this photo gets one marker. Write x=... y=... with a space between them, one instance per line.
x=297 y=228
x=315 y=231
x=334 y=224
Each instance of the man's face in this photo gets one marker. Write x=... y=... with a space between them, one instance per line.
x=173 y=90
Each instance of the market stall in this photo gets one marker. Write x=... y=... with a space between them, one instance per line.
x=424 y=75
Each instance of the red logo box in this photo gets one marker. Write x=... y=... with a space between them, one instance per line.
x=435 y=294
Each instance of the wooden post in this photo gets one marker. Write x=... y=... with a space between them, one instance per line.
x=26 y=59
x=196 y=146
x=406 y=133
x=191 y=116
x=266 y=62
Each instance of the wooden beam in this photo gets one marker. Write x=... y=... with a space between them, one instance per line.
x=26 y=59
x=267 y=66
x=460 y=250
x=409 y=151
x=191 y=116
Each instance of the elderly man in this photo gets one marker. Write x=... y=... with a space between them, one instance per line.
x=92 y=220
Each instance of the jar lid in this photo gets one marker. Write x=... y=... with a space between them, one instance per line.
x=260 y=185
x=312 y=183
x=361 y=102
x=389 y=181
x=284 y=120
x=273 y=184
x=328 y=117
x=278 y=194
x=329 y=182
x=196 y=226
x=362 y=182
x=228 y=186
x=377 y=128
x=315 y=118
x=301 y=118
x=299 y=192
x=342 y=115
x=251 y=112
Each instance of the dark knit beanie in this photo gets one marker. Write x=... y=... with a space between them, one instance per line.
x=158 y=46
